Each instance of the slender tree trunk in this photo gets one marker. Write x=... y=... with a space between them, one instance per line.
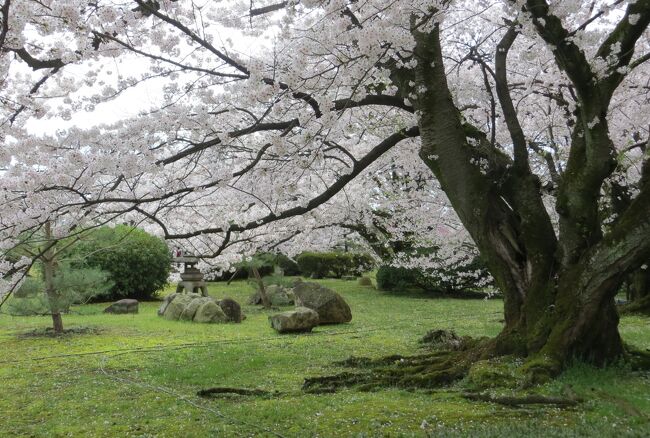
x=49 y=271
x=260 y=284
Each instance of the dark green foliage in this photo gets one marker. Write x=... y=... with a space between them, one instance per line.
x=137 y=262
x=288 y=266
x=265 y=264
x=394 y=278
x=73 y=286
x=333 y=264
x=445 y=279
x=277 y=280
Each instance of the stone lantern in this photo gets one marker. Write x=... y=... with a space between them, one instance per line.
x=191 y=277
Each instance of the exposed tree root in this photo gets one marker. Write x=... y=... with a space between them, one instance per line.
x=435 y=369
x=530 y=399
x=487 y=363
x=217 y=391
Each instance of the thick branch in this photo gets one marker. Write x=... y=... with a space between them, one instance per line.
x=180 y=26
x=568 y=55
x=508 y=108
x=325 y=196
x=258 y=127
x=37 y=64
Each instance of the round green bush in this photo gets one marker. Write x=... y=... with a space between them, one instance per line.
x=137 y=262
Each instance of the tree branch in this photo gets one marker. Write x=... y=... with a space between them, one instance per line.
x=325 y=196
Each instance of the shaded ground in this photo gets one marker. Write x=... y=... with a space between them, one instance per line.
x=139 y=375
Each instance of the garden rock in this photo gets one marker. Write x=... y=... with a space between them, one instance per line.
x=209 y=311
x=197 y=308
x=231 y=308
x=330 y=306
x=278 y=296
x=177 y=304
x=302 y=319
x=123 y=306
x=190 y=310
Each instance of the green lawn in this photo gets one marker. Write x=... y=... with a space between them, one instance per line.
x=137 y=375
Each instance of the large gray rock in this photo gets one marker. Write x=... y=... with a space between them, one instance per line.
x=126 y=305
x=278 y=296
x=209 y=311
x=163 y=307
x=302 y=319
x=177 y=304
x=190 y=309
x=197 y=308
x=330 y=306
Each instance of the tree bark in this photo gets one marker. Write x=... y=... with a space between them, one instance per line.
x=260 y=284
x=49 y=272
x=558 y=298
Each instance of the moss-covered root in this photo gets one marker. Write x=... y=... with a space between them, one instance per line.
x=422 y=371
x=540 y=369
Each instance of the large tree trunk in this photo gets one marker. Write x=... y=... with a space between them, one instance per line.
x=558 y=297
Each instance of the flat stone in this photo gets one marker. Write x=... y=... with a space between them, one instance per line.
x=301 y=319
x=124 y=306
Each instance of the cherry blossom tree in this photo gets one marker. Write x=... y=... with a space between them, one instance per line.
x=527 y=113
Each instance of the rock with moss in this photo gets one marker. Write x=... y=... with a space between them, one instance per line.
x=197 y=308
x=278 y=296
x=301 y=319
x=190 y=310
x=177 y=303
x=210 y=312
x=330 y=306
x=124 y=306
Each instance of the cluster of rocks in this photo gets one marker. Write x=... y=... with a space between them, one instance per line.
x=315 y=305
x=197 y=308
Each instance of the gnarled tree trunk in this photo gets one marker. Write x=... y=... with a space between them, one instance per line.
x=559 y=292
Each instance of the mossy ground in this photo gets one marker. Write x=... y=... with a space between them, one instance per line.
x=137 y=375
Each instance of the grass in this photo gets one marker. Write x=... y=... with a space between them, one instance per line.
x=137 y=375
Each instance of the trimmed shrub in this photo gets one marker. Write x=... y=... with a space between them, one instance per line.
x=333 y=264
x=137 y=262
x=365 y=281
x=450 y=279
x=394 y=278
x=288 y=266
